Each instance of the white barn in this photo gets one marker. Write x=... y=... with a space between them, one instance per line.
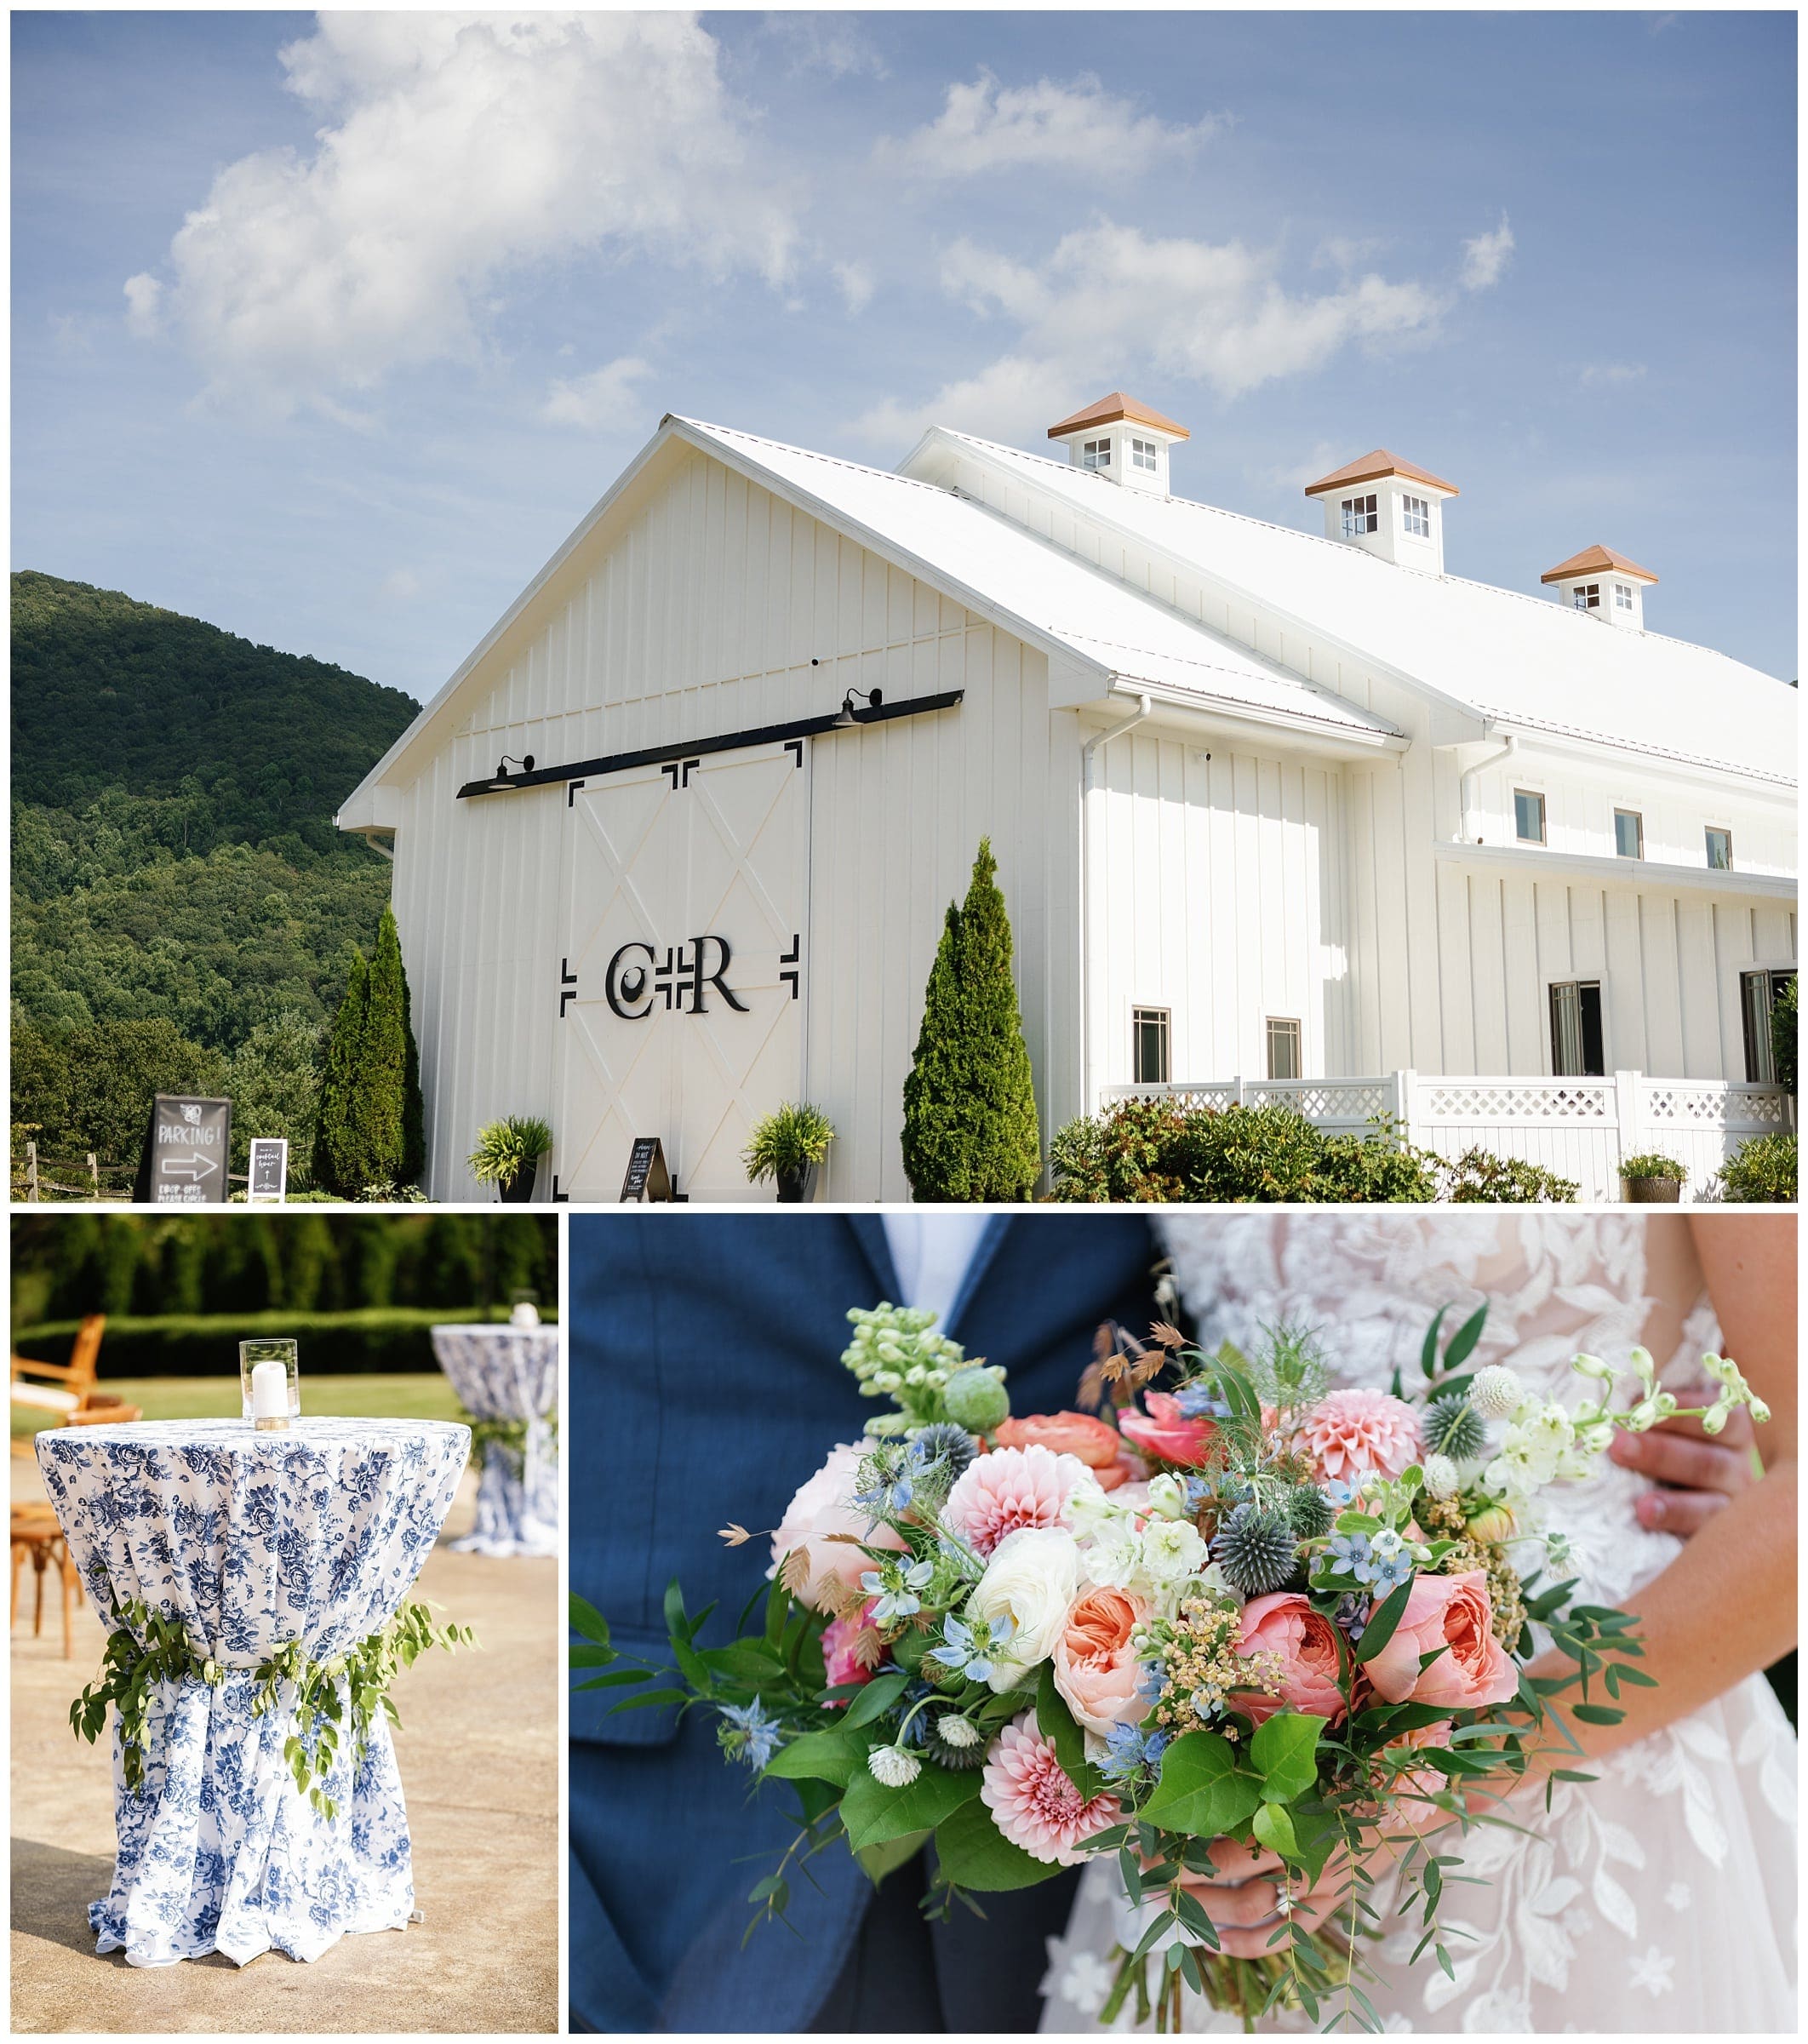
x=1271 y=811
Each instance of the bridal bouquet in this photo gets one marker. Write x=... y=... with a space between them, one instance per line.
x=1243 y=1605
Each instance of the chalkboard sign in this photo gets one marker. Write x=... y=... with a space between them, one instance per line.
x=647 y=1178
x=269 y=1181
x=186 y=1147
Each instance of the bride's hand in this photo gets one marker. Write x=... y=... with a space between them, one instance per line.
x=1244 y=1902
x=1699 y=1477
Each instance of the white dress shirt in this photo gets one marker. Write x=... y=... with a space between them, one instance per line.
x=931 y=1253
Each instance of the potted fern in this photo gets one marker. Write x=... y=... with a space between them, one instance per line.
x=507 y=1155
x=1653 y=1181
x=788 y=1145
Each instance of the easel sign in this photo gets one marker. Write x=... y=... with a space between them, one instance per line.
x=268 y=1177
x=647 y=1178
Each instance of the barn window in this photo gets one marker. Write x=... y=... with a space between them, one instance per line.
x=1587 y=596
x=1622 y=596
x=1095 y=454
x=1142 y=454
x=1283 y=1047
x=1359 y=516
x=1720 y=849
x=1528 y=815
x=1628 y=833
x=1758 y=994
x=1149 y=1046
x=1417 y=515
x=1578 y=1047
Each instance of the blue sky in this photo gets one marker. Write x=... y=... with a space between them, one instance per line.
x=329 y=331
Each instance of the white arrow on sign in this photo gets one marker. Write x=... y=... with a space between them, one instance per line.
x=193 y=1167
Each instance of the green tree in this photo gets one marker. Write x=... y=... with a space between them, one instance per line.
x=337 y=1163
x=274 y=1081
x=970 y=1130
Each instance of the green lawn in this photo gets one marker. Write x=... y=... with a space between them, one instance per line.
x=421 y=1394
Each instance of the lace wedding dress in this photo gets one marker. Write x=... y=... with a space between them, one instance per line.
x=1660 y=1897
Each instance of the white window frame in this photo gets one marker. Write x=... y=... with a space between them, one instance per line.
x=1765 y=1074
x=1710 y=831
x=1143 y=454
x=1532 y=794
x=1622 y=596
x=1576 y=986
x=1287 y=1027
x=1095 y=454
x=1361 y=516
x=1416 y=516
x=1638 y=817
x=1144 y=1015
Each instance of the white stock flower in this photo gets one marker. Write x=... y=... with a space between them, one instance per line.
x=1111 y=1558
x=1172 y=1551
x=1496 y=1392
x=1032 y=1579
x=1591 y=1365
x=1092 y=1511
x=1167 y=1497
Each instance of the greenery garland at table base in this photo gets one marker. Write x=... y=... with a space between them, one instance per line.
x=508 y=1435
x=129 y=1672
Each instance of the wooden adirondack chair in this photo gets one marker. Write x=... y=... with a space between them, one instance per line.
x=65 y=1389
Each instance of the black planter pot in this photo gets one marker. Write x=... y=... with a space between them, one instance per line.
x=794 y=1187
x=519 y=1189
x=1653 y=1192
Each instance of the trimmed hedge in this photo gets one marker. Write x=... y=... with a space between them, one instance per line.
x=389 y=1339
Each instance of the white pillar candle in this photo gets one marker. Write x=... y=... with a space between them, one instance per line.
x=525 y=1314
x=270 y=1392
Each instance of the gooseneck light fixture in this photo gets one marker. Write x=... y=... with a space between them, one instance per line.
x=501 y=780
x=872 y=697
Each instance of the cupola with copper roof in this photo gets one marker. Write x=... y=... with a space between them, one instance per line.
x=1386 y=507
x=1122 y=440
x=1601 y=583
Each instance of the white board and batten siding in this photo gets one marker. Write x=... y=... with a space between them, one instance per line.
x=703 y=616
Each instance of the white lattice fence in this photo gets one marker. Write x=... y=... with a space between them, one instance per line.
x=1579 y=1128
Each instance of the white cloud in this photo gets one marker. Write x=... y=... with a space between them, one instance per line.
x=458 y=149
x=142 y=294
x=857 y=284
x=1597 y=374
x=987 y=127
x=399 y=585
x=1485 y=257
x=599 y=398
x=1111 y=306
x=835 y=43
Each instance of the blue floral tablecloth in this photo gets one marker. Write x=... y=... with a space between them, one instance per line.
x=510 y=1373
x=252 y=1540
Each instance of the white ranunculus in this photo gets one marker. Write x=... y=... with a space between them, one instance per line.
x=1033 y=1579
x=1172 y=1550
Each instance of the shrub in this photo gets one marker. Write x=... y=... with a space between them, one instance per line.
x=970 y=1131
x=1783 y=1035
x=370 y=1118
x=786 y=1141
x=1479 y=1178
x=1761 y=1170
x=1155 y=1148
x=1649 y=1165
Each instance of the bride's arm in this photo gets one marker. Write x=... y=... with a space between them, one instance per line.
x=1725 y=1608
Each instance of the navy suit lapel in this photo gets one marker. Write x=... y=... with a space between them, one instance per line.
x=869 y=1231
x=988 y=1248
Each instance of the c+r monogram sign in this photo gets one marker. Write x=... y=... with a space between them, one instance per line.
x=632 y=986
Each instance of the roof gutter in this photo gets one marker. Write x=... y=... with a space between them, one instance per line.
x=1466 y=786
x=1088 y=751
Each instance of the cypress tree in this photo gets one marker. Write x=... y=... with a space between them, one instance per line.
x=970 y=1130
x=380 y=1102
x=336 y=1162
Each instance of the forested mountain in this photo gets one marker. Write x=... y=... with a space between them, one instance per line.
x=183 y=907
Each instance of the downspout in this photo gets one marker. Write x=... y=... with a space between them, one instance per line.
x=1466 y=786
x=1087 y=752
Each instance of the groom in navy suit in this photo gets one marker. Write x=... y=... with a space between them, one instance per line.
x=707 y=1384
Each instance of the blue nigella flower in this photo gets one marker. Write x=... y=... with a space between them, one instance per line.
x=897 y=1590
x=1126 y=1749
x=1353 y=1615
x=1197 y=1490
x=959 y=1652
x=1201 y=1401
x=754 y=1737
x=894 y=1483
x=1154 y=1677
x=916 y=1730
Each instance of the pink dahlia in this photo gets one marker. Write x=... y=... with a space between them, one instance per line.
x=1009 y=1489
x=1350 y=1433
x=1033 y=1802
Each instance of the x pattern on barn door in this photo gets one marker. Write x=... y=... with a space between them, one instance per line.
x=715 y=848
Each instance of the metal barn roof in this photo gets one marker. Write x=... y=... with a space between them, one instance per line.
x=1518 y=658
